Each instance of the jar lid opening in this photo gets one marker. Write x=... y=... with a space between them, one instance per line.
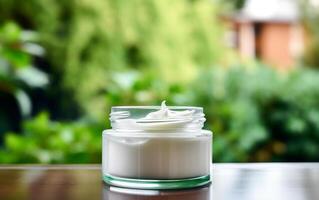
x=157 y=117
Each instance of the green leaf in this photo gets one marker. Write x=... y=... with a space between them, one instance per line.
x=10 y=32
x=16 y=57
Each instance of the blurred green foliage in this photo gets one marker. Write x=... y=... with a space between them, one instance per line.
x=310 y=21
x=258 y=114
x=17 y=74
x=45 y=141
x=235 y=4
x=88 y=40
x=272 y=117
x=255 y=112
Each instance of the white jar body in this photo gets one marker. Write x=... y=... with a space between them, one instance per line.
x=172 y=155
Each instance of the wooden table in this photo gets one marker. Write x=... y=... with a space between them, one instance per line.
x=230 y=181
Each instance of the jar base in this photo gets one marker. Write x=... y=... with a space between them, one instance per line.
x=157 y=184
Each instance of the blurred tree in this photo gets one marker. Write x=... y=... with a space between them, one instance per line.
x=310 y=20
x=17 y=75
x=88 y=40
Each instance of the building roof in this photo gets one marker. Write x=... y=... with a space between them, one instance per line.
x=270 y=10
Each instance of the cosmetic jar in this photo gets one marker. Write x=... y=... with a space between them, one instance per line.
x=157 y=147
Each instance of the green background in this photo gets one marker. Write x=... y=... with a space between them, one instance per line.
x=63 y=64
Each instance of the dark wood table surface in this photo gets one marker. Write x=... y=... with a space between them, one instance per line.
x=230 y=181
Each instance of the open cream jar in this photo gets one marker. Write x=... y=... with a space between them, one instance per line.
x=152 y=147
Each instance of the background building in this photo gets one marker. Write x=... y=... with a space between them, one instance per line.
x=269 y=30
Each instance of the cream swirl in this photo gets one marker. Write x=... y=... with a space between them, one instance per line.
x=166 y=115
x=164 y=118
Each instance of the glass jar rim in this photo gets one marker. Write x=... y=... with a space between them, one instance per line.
x=158 y=107
x=133 y=118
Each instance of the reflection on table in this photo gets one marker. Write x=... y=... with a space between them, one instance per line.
x=116 y=193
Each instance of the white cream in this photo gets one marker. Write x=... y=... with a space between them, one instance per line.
x=157 y=158
x=167 y=115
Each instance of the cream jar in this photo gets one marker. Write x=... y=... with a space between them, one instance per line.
x=157 y=147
